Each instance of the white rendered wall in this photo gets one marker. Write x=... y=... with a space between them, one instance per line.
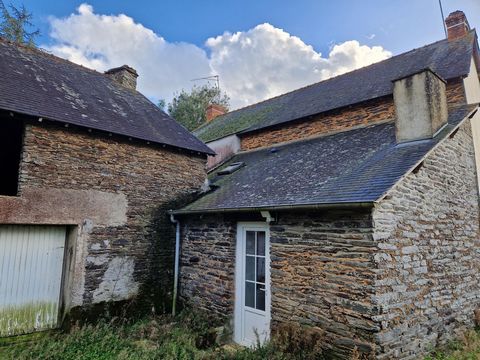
x=224 y=148
x=475 y=121
x=472 y=85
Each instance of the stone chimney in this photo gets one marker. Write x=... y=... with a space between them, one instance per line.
x=214 y=110
x=457 y=25
x=420 y=105
x=124 y=75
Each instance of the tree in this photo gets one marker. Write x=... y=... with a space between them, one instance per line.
x=189 y=108
x=162 y=104
x=14 y=24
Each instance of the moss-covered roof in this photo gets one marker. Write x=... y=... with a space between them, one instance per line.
x=450 y=59
x=234 y=122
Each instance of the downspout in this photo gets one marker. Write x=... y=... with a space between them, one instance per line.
x=177 y=262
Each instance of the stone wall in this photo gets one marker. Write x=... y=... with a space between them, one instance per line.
x=366 y=113
x=357 y=115
x=207 y=275
x=427 y=232
x=115 y=192
x=321 y=272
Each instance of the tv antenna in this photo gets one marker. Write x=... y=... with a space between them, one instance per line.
x=443 y=18
x=215 y=78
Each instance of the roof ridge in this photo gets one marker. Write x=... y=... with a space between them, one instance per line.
x=48 y=54
x=333 y=78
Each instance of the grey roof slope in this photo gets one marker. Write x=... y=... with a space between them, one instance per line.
x=39 y=84
x=356 y=166
x=450 y=59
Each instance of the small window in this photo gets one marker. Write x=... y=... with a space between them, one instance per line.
x=255 y=266
x=11 y=134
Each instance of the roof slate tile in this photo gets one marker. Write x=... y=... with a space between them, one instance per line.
x=39 y=84
x=356 y=166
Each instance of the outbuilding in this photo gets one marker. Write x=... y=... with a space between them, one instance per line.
x=89 y=167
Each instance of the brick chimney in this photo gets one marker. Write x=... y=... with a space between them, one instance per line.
x=457 y=25
x=124 y=75
x=214 y=110
x=420 y=105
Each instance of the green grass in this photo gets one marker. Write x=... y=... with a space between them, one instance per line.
x=187 y=337
x=465 y=348
x=159 y=338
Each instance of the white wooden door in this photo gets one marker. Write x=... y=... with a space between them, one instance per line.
x=31 y=265
x=252 y=294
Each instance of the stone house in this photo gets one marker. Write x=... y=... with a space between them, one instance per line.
x=89 y=167
x=350 y=206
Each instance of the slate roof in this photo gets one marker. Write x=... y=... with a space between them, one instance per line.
x=450 y=59
x=356 y=166
x=42 y=85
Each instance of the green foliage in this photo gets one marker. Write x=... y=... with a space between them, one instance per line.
x=189 y=108
x=187 y=337
x=179 y=338
x=162 y=104
x=465 y=348
x=14 y=24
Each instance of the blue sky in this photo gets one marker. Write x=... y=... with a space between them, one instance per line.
x=399 y=25
x=394 y=25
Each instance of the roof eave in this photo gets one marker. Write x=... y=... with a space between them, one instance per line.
x=147 y=141
x=319 y=206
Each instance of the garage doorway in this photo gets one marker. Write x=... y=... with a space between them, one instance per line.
x=31 y=272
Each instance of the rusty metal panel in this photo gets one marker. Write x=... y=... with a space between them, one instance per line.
x=31 y=264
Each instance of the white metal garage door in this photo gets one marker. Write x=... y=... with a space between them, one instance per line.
x=31 y=264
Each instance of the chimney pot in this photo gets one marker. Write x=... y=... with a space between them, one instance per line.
x=457 y=25
x=420 y=105
x=214 y=110
x=124 y=75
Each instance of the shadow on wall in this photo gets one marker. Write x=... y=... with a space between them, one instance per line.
x=157 y=291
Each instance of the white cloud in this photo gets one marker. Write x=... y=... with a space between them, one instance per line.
x=266 y=61
x=105 y=41
x=253 y=65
